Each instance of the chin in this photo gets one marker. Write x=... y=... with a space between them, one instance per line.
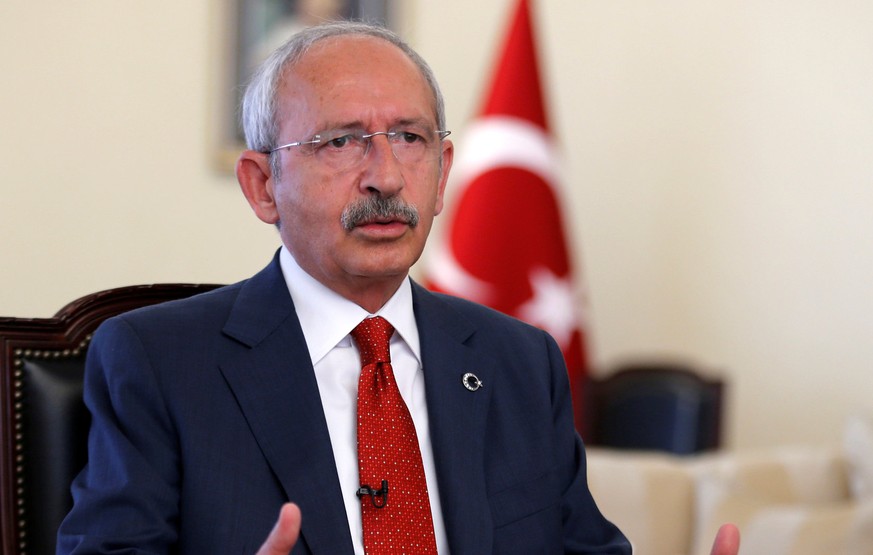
x=383 y=271
x=385 y=266
x=388 y=259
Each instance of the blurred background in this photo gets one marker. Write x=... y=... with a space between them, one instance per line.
x=716 y=170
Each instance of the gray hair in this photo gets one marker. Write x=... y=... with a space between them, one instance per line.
x=259 y=105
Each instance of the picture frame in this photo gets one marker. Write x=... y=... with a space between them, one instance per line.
x=246 y=32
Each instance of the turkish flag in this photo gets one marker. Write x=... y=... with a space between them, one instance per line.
x=504 y=244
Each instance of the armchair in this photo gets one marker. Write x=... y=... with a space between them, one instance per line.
x=43 y=420
x=655 y=406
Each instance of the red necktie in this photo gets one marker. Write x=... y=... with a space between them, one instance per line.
x=394 y=503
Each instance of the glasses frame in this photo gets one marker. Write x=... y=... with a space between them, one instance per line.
x=317 y=139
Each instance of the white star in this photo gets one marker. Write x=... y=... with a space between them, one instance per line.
x=552 y=307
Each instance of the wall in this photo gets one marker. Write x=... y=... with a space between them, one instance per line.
x=717 y=171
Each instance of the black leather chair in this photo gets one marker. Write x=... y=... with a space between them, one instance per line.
x=655 y=406
x=43 y=421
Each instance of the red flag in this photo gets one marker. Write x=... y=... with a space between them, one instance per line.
x=504 y=244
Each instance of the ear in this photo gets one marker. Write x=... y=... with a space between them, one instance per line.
x=256 y=181
x=445 y=165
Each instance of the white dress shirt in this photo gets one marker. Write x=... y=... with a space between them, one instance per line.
x=327 y=319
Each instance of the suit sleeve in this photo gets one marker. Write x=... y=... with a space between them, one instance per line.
x=586 y=530
x=127 y=496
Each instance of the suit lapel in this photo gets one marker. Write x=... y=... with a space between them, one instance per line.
x=275 y=385
x=276 y=389
x=457 y=420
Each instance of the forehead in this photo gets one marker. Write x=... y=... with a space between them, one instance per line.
x=353 y=79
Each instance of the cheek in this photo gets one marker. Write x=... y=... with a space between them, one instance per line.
x=313 y=214
x=293 y=197
x=286 y=203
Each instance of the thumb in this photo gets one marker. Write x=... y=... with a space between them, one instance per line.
x=727 y=540
x=284 y=534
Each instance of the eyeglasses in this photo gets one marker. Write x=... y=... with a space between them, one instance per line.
x=340 y=149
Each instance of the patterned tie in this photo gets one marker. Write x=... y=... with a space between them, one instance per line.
x=394 y=504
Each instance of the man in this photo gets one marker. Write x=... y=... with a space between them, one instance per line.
x=211 y=415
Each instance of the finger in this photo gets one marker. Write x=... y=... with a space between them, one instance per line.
x=284 y=534
x=727 y=540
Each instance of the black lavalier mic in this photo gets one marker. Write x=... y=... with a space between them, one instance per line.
x=379 y=497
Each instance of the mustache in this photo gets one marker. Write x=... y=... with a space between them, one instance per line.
x=378 y=208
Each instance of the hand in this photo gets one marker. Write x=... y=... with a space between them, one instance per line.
x=284 y=534
x=727 y=541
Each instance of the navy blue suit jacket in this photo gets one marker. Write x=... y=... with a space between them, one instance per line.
x=207 y=417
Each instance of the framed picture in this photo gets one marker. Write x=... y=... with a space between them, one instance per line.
x=253 y=29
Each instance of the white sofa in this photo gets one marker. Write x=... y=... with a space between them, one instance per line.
x=787 y=501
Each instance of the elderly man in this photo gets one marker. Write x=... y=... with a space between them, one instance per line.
x=394 y=419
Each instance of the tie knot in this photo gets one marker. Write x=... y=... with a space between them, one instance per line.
x=372 y=337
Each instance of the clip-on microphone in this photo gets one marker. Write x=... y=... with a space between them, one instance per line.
x=383 y=493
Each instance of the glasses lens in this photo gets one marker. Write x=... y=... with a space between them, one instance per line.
x=412 y=145
x=341 y=149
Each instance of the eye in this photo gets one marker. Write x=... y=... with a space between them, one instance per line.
x=341 y=141
x=409 y=137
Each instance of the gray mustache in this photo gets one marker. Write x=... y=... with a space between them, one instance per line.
x=376 y=207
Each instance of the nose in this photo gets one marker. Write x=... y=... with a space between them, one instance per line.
x=381 y=169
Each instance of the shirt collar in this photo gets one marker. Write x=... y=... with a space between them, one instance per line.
x=327 y=318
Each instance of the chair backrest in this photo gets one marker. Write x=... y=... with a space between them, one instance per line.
x=661 y=407
x=43 y=420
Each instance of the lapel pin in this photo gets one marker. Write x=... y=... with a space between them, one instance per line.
x=471 y=382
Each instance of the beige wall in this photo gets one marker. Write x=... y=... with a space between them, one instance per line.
x=718 y=173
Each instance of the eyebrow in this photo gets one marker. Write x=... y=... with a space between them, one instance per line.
x=358 y=124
